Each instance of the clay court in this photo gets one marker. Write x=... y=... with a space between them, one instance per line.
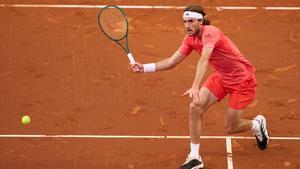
x=89 y=111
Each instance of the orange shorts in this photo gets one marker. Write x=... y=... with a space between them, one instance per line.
x=240 y=95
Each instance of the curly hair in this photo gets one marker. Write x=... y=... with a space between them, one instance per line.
x=198 y=9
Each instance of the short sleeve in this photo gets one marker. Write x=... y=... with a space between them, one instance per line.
x=210 y=37
x=186 y=47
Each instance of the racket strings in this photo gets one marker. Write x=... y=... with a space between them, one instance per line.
x=113 y=23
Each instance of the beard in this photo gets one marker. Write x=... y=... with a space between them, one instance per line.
x=190 y=32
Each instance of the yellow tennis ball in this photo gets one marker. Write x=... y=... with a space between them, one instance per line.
x=25 y=120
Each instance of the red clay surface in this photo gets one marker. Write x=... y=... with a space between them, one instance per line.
x=280 y=154
x=91 y=153
x=58 y=68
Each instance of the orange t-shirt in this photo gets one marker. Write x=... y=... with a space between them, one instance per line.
x=226 y=59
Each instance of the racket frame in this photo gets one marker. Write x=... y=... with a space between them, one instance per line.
x=126 y=48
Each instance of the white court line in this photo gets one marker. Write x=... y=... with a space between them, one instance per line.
x=133 y=137
x=219 y=8
x=229 y=153
x=281 y=8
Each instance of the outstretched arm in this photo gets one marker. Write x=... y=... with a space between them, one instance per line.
x=165 y=64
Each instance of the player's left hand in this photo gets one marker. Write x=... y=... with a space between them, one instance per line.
x=193 y=93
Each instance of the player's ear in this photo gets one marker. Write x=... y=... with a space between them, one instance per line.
x=200 y=21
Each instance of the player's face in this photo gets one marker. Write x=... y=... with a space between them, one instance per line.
x=192 y=26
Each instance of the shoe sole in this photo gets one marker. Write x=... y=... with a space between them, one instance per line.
x=265 y=128
x=201 y=166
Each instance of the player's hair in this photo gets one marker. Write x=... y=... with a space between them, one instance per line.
x=198 y=9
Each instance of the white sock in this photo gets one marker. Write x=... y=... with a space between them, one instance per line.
x=194 y=150
x=255 y=125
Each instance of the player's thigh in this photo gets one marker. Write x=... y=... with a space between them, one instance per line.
x=215 y=88
x=207 y=98
x=242 y=94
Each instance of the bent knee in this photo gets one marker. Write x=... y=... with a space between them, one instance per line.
x=197 y=107
x=200 y=104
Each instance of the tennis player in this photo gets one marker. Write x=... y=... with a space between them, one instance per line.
x=232 y=75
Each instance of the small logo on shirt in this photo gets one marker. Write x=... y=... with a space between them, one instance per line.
x=207 y=36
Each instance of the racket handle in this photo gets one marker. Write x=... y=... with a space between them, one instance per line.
x=130 y=57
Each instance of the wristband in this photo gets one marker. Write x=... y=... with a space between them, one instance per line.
x=150 y=67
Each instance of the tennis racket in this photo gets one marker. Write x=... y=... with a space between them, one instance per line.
x=114 y=25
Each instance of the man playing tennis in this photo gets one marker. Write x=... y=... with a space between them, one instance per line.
x=233 y=74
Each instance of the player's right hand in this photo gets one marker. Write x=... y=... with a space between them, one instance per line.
x=136 y=67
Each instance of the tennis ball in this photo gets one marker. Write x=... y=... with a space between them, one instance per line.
x=25 y=120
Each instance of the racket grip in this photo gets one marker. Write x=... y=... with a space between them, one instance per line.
x=130 y=57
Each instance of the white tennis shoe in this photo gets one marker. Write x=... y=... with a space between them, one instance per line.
x=262 y=135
